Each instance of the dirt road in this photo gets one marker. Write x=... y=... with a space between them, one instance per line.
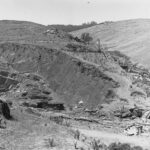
x=108 y=138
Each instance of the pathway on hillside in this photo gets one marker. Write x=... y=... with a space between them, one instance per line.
x=113 y=137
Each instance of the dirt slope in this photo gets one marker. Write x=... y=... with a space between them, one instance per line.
x=131 y=37
x=91 y=77
x=73 y=78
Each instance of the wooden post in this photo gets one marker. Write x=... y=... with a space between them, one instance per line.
x=98 y=45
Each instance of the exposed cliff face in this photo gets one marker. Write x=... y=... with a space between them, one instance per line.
x=70 y=77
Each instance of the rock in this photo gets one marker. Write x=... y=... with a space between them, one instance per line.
x=4 y=110
x=133 y=130
x=54 y=106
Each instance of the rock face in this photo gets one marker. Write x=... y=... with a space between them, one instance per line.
x=4 y=110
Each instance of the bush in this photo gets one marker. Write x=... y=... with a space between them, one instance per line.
x=60 y=121
x=119 y=146
x=137 y=148
x=77 y=47
x=57 y=119
x=97 y=145
x=86 y=37
x=76 y=134
x=50 y=143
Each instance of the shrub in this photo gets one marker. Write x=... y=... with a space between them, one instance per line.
x=70 y=37
x=57 y=119
x=137 y=148
x=97 y=145
x=76 y=134
x=73 y=47
x=50 y=143
x=86 y=37
x=67 y=123
x=119 y=146
x=61 y=121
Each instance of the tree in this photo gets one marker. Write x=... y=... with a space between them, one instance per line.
x=93 y=23
x=86 y=37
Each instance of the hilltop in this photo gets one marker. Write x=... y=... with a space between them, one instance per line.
x=24 y=32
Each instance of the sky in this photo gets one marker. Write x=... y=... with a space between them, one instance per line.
x=73 y=11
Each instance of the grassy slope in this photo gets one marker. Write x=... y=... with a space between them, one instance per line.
x=29 y=33
x=11 y=30
x=131 y=37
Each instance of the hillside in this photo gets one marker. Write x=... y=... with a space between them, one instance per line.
x=72 y=69
x=55 y=90
x=73 y=76
x=131 y=37
x=70 y=77
x=32 y=33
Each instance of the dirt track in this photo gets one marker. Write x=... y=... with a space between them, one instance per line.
x=112 y=137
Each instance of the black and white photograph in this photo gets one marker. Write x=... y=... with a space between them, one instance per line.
x=74 y=74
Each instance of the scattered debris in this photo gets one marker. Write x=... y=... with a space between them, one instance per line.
x=133 y=130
